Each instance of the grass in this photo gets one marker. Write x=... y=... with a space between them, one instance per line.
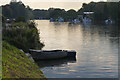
x=15 y=64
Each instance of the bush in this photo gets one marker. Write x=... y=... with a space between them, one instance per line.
x=23 y=35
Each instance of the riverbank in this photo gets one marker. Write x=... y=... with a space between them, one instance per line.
x=20 y=35
x=15 y=64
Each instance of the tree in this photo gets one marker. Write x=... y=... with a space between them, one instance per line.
x=56 y=13
x=16 y=9
x=71 y=14
x=21 y=19
x=102 y=10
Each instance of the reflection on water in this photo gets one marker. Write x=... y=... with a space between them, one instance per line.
x=96 y=47
x=55 y=63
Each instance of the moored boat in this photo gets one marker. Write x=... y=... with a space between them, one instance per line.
x=51 y=54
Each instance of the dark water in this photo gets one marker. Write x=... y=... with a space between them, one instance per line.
x=96 y=46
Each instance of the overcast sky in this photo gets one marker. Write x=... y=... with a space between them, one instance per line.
x=45 y=4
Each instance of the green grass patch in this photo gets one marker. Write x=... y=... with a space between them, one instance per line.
x=15 y=64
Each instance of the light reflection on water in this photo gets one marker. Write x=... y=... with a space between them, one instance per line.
x=97 y=50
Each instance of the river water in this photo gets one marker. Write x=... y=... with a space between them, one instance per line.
x=96 y=47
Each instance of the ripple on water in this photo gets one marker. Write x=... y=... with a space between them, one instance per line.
x=96 y=53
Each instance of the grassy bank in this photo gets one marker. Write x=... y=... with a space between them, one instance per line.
x=17 y=65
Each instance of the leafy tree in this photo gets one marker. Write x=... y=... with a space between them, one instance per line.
x=16 y=9
x=40 y=14
x=56 y=13
x=102 y=10
x=71 y=14
x=21 y=19
x=67 y=15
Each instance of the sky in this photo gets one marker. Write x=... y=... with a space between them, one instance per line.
x=46 y=4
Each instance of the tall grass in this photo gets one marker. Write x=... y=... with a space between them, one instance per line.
x=15 y=64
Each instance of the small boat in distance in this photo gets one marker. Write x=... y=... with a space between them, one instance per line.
x=51 y=54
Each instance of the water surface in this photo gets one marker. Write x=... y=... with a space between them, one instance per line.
x=96 y=47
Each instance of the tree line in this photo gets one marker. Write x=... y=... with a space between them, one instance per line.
x=17 y=9
x=102 y=11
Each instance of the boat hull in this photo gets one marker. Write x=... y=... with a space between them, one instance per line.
x=51 y=54
x=48 y=55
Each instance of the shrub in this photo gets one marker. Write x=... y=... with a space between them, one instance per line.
x=23 y=35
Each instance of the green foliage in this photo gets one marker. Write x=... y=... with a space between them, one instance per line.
x=40 y=14
x=29 y=13
x=15 y=64
x=16 y=9
x=71 y=14
x=20 y=19
x=56 y=13
x=23 y=35
x=103 y=10
x=3 y=19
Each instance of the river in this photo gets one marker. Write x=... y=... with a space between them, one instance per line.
x=96 y=47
